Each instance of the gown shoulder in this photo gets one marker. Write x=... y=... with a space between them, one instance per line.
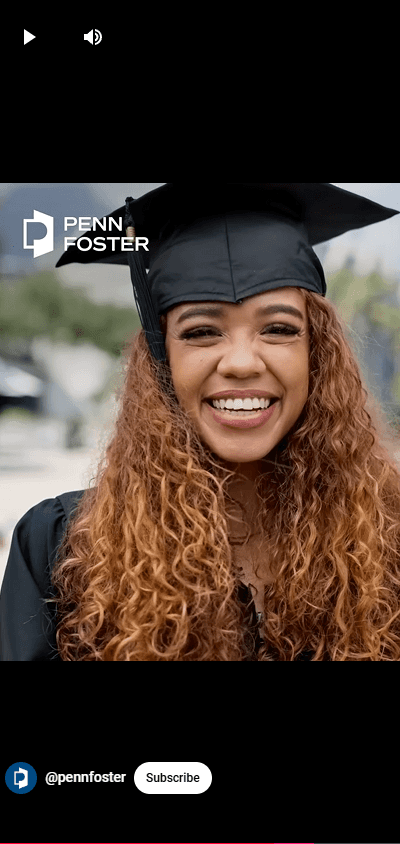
x=27 y=620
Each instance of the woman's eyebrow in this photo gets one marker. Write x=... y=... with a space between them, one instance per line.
x=209 y=310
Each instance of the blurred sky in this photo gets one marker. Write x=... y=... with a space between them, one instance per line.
x=373 y=246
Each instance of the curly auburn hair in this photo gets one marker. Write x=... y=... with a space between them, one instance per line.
x=145 y=570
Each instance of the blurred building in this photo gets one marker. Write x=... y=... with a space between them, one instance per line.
x=25 y=383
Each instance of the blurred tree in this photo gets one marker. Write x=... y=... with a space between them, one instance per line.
x=369 y=306
x=39 y=305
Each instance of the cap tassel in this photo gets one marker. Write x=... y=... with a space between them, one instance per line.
x=144 y=302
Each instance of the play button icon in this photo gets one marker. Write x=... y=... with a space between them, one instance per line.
x=28 y=36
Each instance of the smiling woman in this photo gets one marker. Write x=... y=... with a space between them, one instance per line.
x=211 y=535
x=241 y=353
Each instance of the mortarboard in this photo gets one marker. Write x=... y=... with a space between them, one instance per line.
x=225 y=241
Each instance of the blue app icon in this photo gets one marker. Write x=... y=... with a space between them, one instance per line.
x=21 y=777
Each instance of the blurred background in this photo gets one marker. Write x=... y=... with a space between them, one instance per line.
x=62 y=331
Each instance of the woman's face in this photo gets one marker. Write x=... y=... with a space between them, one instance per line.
x=243 y=348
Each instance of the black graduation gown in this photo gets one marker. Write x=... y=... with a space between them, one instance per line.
x=27 y=623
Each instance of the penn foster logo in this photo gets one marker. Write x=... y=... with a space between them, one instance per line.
x=44 y=244
x=21 y=777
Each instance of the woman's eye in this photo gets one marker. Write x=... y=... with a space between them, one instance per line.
x=283 y=329
x=273 y=329
x=198 y=332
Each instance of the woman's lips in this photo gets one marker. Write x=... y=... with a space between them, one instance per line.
x=252 y=422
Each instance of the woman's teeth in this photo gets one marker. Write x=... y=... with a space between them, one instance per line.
x=241 y=407
x=240 y=413
x=241 y=404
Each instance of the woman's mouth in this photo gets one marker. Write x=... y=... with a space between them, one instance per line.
x=242 y=418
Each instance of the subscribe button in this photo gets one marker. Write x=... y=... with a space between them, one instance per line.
x=172 y=777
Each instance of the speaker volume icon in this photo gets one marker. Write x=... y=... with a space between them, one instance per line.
x=97 y=36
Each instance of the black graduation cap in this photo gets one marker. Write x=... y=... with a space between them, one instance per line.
x=225 y=241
